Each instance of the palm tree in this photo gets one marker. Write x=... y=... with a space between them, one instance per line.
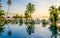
x=9 y=4
x=30 y=8
x=53 y=15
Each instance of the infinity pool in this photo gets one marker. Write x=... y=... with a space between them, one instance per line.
x=27 y=31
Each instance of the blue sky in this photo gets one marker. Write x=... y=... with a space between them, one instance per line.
x=17 y=5
x=41 y=6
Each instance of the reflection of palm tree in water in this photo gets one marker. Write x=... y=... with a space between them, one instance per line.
x=9 y=30
x=2 y=29
x=30 y=28
x=21 y=20
x=54 y=31
x=7 y=22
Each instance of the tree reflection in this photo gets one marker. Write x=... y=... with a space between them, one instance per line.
x=9 y=32
x=54 y=30
x=30 y=28
x=21 y=20
x=14 y=21
x=1 y=29
x=44 y=22
x=27 y=22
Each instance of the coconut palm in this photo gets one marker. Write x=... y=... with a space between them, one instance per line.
x=30 y=8
x=53 y=15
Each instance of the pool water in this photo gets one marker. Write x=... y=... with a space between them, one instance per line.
x=27 y=31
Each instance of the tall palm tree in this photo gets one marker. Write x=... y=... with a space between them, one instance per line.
x=54 y=15
x=9 y=4
x=51 y=13
x=30 y=8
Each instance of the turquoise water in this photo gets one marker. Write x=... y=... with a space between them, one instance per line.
x=27 y=31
